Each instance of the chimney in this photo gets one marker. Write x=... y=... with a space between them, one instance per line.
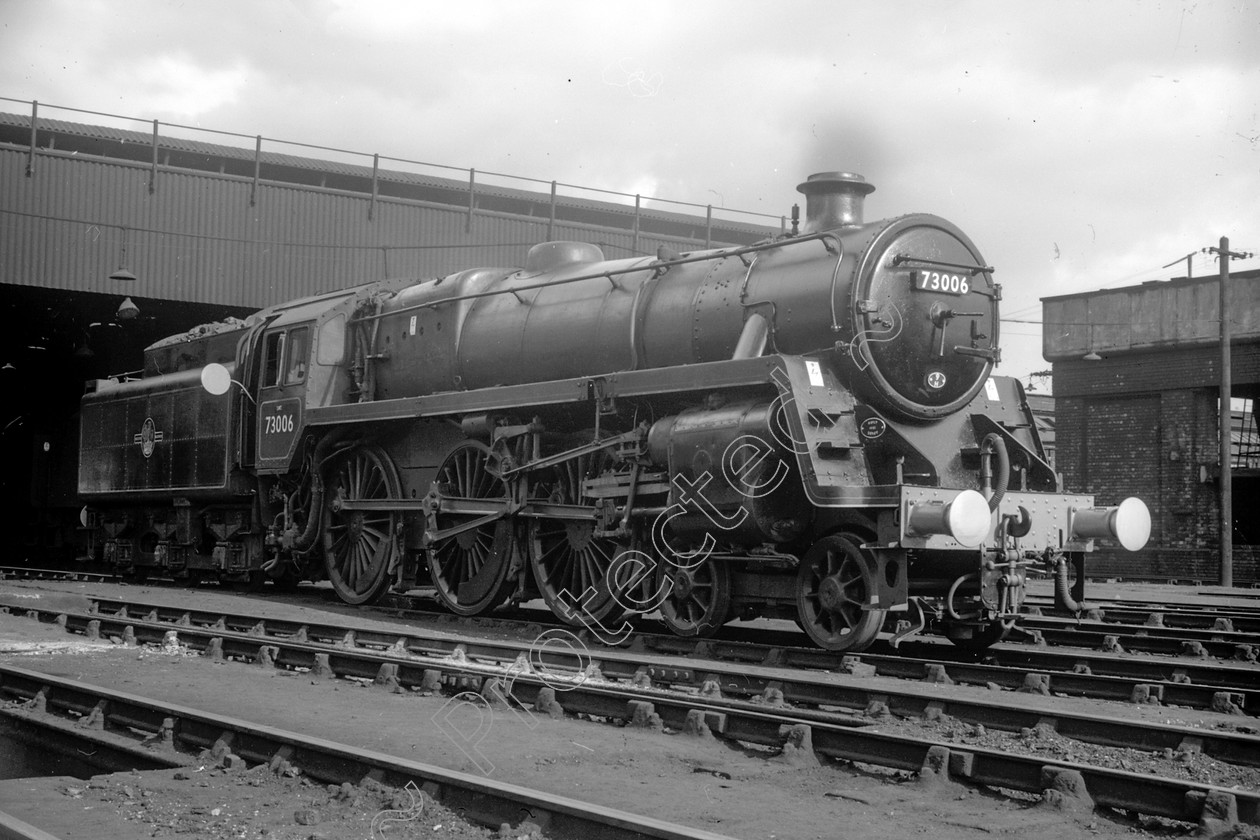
x=833 y=199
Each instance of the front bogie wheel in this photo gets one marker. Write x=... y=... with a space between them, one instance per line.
x=698 y=599
x=834 y=586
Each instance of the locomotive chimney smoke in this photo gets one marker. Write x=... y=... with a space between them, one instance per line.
x=833 y=199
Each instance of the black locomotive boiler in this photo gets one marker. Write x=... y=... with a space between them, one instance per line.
x=804 y=428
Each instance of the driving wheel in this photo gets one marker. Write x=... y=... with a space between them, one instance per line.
x=361 y=543
x=470 y=569
x=569 y=563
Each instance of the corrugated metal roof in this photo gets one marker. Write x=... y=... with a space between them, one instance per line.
x=205 y=237
x=271 y=160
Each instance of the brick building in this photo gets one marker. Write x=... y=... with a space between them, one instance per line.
x=1042 y=406
x=1136 y=374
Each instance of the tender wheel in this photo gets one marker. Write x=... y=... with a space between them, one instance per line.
x=699 y=599
x=833 y=585
x=360 y=546
x=470 y=570
x=565 y=556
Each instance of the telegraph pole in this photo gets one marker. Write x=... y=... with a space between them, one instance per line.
x=1226 y=417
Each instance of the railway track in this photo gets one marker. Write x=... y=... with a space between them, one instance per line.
x=1242 y=603
x=1159 y=615
x=1103 y=673
x=160 y=734
x=1092 y=664
x=1153 y=628
x=760 y=705
x=1223 y=642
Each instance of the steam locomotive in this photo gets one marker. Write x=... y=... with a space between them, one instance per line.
x=804 y=428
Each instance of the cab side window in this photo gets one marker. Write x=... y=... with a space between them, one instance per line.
x=299 y=351
x=273 y=357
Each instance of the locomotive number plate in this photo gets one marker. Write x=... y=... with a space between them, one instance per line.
x=279 y=422
x=937 y=281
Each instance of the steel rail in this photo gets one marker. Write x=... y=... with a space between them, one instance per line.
x=1169 y=641
x=1161 y=614
x=1151 y=624
x=1185 y=678
x=1181 y=667
x=1238 y=677
x=23 y=573
x=1131 y=619
x=1175 y=599
x=298 y=646
x=1098 y=652
x=1181 y=681
x=11 y=828
x=1158 y=796
x=1193 y=683
x=176 y=730
x=1213 y=619
x=1040 y=672
x=1196 y=681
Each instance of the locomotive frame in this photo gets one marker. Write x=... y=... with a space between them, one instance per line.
x=806 y=428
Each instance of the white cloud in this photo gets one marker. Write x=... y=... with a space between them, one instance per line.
x=408 y=20
x=178 y=87
x=1122 y=134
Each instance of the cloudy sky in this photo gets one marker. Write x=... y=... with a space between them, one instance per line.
x=1081 y=145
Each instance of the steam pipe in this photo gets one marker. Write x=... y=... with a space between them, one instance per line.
x=752 y=340
x=990 y=446
x=307 y=538
x=953 y=590
x=828 y=239
x=1062 y=589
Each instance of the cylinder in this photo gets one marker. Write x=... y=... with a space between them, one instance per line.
x=730 y=474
